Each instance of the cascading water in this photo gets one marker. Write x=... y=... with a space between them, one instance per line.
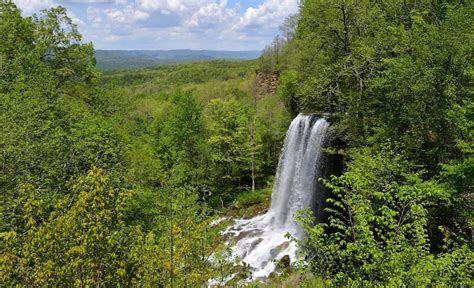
x=261 y=239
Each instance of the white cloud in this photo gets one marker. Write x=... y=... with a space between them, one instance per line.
x=94 y=16
x=269 y=14
x=140 y=15
x=93 y=2
x=32 y=6
x=170 y=5
x=128 y=15
x=168 y=24
x=76 y=20
x=212 y=15
x=86 y=1
x=113 y=38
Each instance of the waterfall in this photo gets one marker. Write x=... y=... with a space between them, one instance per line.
x=262 y=239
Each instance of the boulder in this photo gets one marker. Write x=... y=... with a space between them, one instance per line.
x=277 y=250
x=285 y=261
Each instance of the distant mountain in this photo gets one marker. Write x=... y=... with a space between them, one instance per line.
x=132 y=59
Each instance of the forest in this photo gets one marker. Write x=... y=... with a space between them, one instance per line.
x=119 y=178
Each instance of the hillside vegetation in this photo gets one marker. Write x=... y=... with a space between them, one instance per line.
x=115 y=179
x=396 y=77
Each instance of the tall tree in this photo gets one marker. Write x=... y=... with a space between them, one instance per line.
x=181 y=139
x=230 y=145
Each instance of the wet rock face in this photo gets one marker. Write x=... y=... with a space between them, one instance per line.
x=252 y=246
x=285 y=261
x=248 y=233
x=255 y=243
x=277 y=250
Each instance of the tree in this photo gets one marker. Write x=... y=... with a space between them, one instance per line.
x=272 y=120
x=181 y=140
x=377 y=231
x=80 y=243
x=176 y=252
x=229 y=145
x=428 y=72
x=49 y=77
x=288 y=28
x=394 y=76
x=382 y=62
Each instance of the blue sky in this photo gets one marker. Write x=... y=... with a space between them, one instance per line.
x=173 y=24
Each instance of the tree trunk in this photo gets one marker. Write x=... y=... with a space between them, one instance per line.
x=252 y=133
x=171 y=244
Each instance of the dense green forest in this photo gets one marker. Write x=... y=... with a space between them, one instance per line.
x=397 y=78
x=115 y=179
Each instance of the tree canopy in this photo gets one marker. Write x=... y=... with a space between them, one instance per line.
x=115 y=179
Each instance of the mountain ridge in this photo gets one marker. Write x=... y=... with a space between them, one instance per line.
x=133 y=59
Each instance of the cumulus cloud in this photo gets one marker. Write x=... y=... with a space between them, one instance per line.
x=86 y=1
x=212 y=15
x=268 y=14
x=94 y=16
x=169 y=5
x=127 y=15
x=170 y=24
x=31 y=6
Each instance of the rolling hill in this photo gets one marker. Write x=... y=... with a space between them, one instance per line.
x=132 y=59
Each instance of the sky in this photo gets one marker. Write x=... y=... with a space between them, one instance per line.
x=173 y=24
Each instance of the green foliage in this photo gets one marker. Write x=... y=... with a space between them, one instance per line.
x=279 y=55
x=458 y=177
x=433 y=66
x=396 y=78
x=250 y=198
x=306 y=280
x=229 y=143
x=383 y=64
x=72 y=152
x=271 y=123
x=250 y=203
x=287 y=90
x=81 y=241
x=45 y=93
x=377 y=230
x=176 y=251
x=174 y=75
x=244 y=141
x=143 y=104
x=272 y=56
x=181 y=142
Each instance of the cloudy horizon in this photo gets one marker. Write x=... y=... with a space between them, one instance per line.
x=173 y=24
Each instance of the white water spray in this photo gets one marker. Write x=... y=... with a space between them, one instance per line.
x=262 y=239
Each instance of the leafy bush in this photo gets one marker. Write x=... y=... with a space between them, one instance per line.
x=249 y=198
x=377 y=231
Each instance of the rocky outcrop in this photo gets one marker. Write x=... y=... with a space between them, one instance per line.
x=266 y=83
